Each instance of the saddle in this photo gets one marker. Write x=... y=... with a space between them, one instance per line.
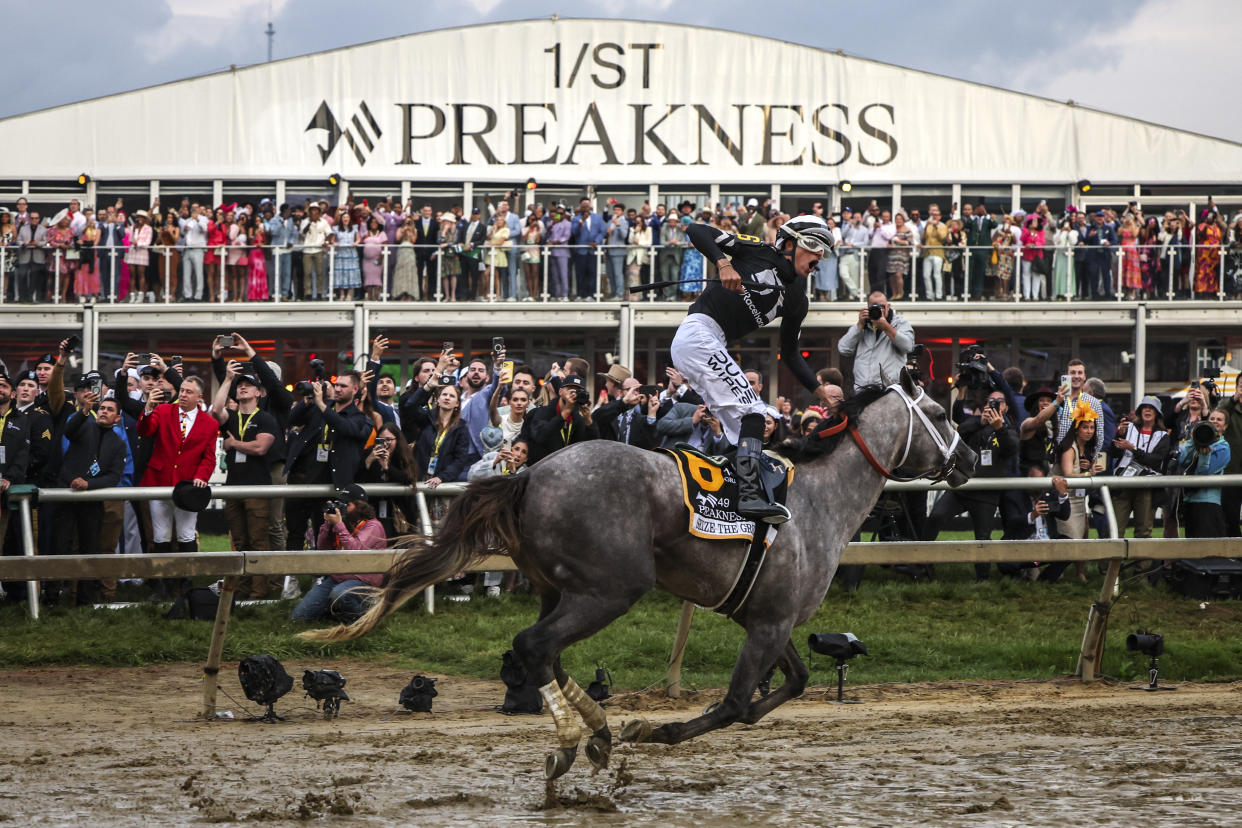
x=709 y=490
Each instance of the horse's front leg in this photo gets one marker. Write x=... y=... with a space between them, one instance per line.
x=796 y=675
x=752 y=662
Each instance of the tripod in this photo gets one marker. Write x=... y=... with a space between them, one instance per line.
x=1153 y=670
x=843 y=667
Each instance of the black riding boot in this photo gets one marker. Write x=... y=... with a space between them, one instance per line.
x=753 y=500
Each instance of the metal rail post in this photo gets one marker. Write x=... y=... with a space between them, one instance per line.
x=429 y=531
x=28 y=550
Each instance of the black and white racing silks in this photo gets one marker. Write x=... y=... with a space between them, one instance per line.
x=700 y=348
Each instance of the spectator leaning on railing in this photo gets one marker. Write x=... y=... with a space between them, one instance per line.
x=183 y=449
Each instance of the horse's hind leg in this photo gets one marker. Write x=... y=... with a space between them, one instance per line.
x=599 y=746
x=796 y=676
x=752 y=662
x=574 y=618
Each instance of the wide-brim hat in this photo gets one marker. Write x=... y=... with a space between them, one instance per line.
x=448 y=217
x=141 y=214
x=190 y=498
x=1032 y=400
x=617 y=373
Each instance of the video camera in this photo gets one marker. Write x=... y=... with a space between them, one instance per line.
x=303 y=388
x=972 y=369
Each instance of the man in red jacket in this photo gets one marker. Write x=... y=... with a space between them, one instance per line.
x=184 y=448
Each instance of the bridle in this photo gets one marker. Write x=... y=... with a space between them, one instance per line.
x=947 y=450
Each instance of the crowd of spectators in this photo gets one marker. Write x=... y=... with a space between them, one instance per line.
x=358 y=250
x=151 y=424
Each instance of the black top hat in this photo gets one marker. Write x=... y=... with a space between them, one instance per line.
x=190 y=498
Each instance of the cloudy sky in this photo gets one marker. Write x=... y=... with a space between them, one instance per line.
x=1159 y=60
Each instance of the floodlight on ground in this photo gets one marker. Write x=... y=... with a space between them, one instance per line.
x=264 y=681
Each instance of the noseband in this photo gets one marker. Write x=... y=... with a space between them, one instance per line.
x=947 y=450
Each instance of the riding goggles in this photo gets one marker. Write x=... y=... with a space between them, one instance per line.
x=811 y=244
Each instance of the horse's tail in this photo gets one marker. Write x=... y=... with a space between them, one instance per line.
x=484 y=516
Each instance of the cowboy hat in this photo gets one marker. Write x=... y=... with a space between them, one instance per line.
x=617 y=373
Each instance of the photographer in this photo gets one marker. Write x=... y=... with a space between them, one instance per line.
x=693 y=424
x=1039 y=522
x=249 y=435
x=1140 y=451
x=95 y=459
x=631 y=419
x=349 y=522
x=878 y=343
x=1206 y=452
x=1231 y=496
x=996 y=444
x=567 y=421
x=392 y=461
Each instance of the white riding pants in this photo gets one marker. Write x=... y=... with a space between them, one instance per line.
x=701 y=354
x=165 y=516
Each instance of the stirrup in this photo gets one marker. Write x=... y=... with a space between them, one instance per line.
x=760 y=511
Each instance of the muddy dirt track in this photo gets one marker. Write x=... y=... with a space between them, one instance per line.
x=121 y=747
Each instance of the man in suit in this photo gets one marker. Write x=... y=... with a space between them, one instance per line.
x=1101 y=242
x=472 y=240
x=31 y=259
x=586 y=233
x=979 y=229
x=426 y=229
x=183 y=448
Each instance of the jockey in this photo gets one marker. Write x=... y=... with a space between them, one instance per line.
x=728 y=310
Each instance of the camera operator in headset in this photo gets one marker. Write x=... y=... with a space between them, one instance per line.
x=878 y=343
x=349 y=522
x=726 y=311
x=1206 y=452
x=555 y=426
x=995 y=442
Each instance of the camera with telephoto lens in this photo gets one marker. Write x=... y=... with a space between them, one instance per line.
x=972 y=369
x=875 y=311
x=303 y=388
x=335 y=506
x=1203 y=435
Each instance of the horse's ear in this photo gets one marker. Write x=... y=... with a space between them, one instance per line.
x=908 y=384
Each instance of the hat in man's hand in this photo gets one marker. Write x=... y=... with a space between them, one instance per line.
x=190 y=498
x=617 y=373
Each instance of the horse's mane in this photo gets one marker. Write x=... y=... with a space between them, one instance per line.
x=802 y=449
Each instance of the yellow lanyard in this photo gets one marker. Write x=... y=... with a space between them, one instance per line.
x=5 y=419
x=242 y=425
x=324 y=441
x=439 y=440
x=567 y=431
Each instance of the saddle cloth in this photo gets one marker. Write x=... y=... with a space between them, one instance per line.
x=709 y=490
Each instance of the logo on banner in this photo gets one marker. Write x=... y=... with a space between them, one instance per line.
x=357 y=135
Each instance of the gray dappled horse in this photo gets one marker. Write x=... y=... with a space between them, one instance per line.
x=597 y=525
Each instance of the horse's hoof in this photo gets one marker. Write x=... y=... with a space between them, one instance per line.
x=636 y=730
x=711 y=707
x=558 y=762
x=599 y=748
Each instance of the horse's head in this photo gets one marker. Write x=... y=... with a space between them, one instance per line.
x=933 y=448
